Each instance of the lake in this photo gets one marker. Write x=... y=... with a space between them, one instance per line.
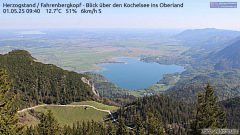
x=136 y=74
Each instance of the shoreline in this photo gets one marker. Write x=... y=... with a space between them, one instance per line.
x=109 y=62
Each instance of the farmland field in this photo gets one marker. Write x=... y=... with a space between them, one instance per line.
x=81 y=49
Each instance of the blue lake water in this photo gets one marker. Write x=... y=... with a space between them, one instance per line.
x=136 y=74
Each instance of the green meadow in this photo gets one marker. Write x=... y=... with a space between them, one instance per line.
x=68 y=114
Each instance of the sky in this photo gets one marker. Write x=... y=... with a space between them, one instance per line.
x=195 y=14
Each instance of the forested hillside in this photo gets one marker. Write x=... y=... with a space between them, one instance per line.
x=189 y=93
x=185 y=93
x=232 y=108
x=228 y=58
x=106 y=88
x=36 y=83
x=174 y=114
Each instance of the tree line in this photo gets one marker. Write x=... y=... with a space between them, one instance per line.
x=49 y=126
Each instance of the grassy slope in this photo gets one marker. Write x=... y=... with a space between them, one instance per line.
x=97 y=105
x=69 y=115
x=25 y=118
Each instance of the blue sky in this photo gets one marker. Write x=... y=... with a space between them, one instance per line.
x=194 y=14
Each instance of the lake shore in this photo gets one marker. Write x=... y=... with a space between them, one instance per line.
x=131 y=73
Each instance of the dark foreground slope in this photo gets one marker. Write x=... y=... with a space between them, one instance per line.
x=232 y=108
x=175 y=115
x=36 y=83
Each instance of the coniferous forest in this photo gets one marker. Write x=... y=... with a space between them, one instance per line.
x=37 y=83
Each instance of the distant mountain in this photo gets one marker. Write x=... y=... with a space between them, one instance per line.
x=36 y=83
x=228 y=58
x=232 y=41
x=209 y=38
x=201 y=34
x=231 y=52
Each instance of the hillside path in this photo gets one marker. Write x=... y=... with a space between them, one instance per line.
x=109 y=112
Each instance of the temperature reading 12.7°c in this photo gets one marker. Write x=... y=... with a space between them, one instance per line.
x=71 y=10
x=57 y=10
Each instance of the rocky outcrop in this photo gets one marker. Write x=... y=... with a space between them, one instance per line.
x=90 y=83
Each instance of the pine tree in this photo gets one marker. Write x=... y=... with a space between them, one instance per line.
x=138 y=126
x=74 y=129
x=208 y=114
x=84 y=128
x=122 y=129
x=32 y=130
x=154 y=123
x=48 y=124
x=67 y=130
x=79 y=128
x=110 y=129
x=95 y=128
x=8 y=121
x=89 y=127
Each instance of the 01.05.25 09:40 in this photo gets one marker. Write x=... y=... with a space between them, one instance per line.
x=21 y=11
